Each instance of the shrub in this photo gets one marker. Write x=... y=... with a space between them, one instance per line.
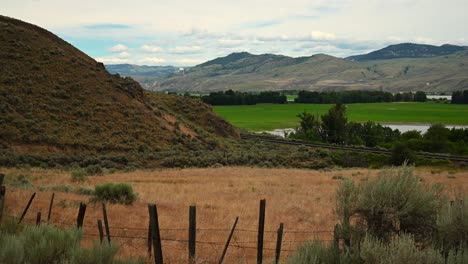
x=85 y=191
x=317 y=252
x=21 y=181
x=401 y=153
x=78 y=176
x=48 y=244
x=452 y=226
x=401 y=249
x=396 y=201
x=115 y=193
x=94 y=170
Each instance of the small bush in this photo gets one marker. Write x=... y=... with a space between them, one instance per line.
x=115 y=193
x=78 y=176
x=57 y=188
x=94 y=170
x=396 y=201
x=452 y=226
x=318 y=252
x=21 y=181
x=48 y=244
x=85 y=191
x=401 y=249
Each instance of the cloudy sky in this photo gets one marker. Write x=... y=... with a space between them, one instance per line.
x=185 y=33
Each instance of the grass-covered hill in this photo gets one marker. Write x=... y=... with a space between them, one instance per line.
x=56 y=99
x=408 y=50
x=405 y=67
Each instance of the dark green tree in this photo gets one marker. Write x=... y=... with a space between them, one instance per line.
x=334 y=124
x=309 y=127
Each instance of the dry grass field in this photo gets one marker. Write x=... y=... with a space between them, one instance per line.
x=301 y=199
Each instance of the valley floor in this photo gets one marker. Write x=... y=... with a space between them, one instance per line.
x=303 y=200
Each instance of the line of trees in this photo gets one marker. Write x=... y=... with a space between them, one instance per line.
x=231 y=97
x=460 y=97
x=333 y=127
x=349 y=97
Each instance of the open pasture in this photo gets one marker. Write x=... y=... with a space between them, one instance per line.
x=264 y=117
x=303 y=200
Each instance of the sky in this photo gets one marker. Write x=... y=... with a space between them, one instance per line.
x=186 y=33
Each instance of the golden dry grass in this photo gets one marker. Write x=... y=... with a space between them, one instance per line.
x=301 y=199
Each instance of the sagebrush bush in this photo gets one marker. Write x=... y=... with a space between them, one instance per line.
x=401 y=249
x=78 y=175
x=396 y=201
x=452 y=226
x=48 y=244
x=94 y=170
x=115 y=193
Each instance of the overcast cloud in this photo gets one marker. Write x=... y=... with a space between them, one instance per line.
x=185 y=33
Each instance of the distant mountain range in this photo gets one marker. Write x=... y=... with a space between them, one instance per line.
x=408 y=50
x=401 y=67
x=145 y=75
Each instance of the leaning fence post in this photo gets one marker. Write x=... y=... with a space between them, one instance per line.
x=228 y=241
x=261 y=230
x=149 y=239
x=50 y=207
x=38 y=218
x=2 y=195
x=155 y=235
x=101 y=233
x=27 y=207
x=81 y=215
x=192 y=232
x=106 y=222
x=336 y=238
x=279 y=240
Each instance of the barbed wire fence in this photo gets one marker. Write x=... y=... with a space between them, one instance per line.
x=181 y=245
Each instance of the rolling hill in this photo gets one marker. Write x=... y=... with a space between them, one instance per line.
x=408 y=50
x=412 y=67
x=56 y=99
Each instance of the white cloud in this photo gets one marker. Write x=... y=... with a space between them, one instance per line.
x=111 y=60
x=124 y=54
x=186 y=50
x=118 y=48
x=151 y=60
x=319 y=35
x=151 y=49
x=189 y=62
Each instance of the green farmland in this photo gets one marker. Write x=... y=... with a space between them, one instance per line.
x=272 y=116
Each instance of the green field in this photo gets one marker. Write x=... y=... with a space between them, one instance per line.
x=272 y=116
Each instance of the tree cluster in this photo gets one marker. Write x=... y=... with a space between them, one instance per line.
x=460 y=97
x=333 y=127
x=349 y=97
x=231 y=97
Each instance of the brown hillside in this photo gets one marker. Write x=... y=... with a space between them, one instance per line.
x=53 y=97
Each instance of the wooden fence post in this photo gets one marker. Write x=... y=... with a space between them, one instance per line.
x=2 y=195
x=155 y=235
x=50 y=207
x=38 y=218
x=336 y=238
x=27 y=207
x=261 y=230
x=101 y=233
x=192 y=232
x=81 y=215
x=228 y=241
x=106 y=222
x=279 y=240
x=150 y=241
